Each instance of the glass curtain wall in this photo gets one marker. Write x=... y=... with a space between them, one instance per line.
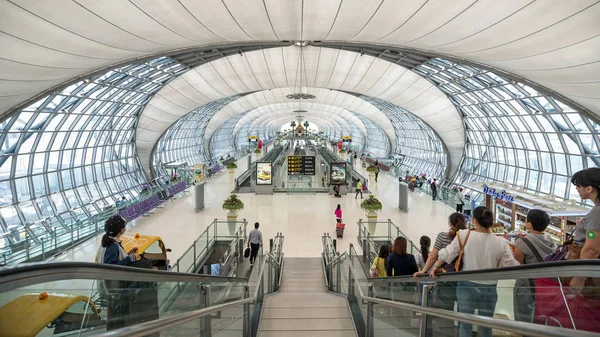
x=71 y=154
x=514 y=133
x=378 y=143
x=184 y=140
x=421 y=147
x=221 y=143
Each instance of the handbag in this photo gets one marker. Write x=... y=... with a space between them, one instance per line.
x=457 y=263
x=562 y=251
x=374 y=271
x=247 y=252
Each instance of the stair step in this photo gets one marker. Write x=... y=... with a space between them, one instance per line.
x=305 y=313
x=303 y=289
x=306 y=300
x=323 y=333
x=306 y=324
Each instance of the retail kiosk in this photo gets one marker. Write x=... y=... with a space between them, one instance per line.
x=511 y=204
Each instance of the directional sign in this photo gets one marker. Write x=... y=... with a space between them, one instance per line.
x=301 y=165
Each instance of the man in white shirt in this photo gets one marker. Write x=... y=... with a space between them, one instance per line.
x=460 y=200
x=255 y=241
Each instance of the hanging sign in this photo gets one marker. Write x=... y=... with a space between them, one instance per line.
x=498 y=195
x=339 y=145
x=259 y=145
x=346 y=139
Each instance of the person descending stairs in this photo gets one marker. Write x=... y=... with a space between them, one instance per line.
x=303 y=307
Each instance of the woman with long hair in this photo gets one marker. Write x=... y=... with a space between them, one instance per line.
x=481 y=250
x=423 y=254
x=378 y=267
x=338 y=213
x=400 y=262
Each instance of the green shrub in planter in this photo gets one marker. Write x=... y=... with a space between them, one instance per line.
x=231 y=166
x=233 y=203
x=342 y=151
x=372 y=168
x=371 y=204
x=257 y=151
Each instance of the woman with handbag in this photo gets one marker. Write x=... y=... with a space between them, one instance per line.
x=443 y=294
x=378 y=267
x=474 y=250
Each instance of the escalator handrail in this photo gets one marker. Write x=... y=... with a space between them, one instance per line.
x=148 y=328
x=521 y=328
x=583 y=268
x=31 y=274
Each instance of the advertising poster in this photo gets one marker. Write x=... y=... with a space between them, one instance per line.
x=338 y=173
x=263 y=174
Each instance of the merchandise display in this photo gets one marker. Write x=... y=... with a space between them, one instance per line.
x=511 y=205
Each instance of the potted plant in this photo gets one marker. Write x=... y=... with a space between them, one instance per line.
x=174 y=178
x=233 y=204
x=145 y=190
x=372 y=169
x=371 y=205
x=231 y=166
x=257 y=152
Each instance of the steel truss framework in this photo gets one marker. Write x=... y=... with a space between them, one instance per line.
x=515 y=133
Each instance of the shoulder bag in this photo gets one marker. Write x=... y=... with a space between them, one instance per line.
x=375 y=268
x=457 y=263
x=535 y=252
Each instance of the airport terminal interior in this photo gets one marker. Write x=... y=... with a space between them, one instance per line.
x=287 y=167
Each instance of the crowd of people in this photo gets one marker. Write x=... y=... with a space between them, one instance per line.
x=464 y=249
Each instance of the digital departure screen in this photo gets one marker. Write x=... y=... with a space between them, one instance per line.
x=301 y=165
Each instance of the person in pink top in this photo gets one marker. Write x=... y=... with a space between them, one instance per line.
x=338 y=213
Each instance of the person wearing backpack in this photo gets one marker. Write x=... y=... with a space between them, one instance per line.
x=359 y=187
x=530 y=249
x=475 y=250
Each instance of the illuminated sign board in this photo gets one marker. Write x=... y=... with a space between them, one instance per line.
x=498 y=195
x=264 y=174
x=301 y=165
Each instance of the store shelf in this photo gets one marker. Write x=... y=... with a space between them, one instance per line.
x=505 y=223
x=555 y=228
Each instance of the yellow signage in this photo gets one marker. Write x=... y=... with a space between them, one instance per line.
x=347 y=138
x=252 y=137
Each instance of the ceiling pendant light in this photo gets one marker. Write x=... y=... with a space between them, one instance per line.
x=302 y=69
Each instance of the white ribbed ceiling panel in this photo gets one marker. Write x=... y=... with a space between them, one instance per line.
x=324 y=68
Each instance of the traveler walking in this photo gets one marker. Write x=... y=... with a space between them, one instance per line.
x=255 y=241
x=460 y=200
x=481 y=249
x=530 y=249
x=359 y=188
x=336 y=190
x=423 y=253
x=434 y=188
x=338 y=213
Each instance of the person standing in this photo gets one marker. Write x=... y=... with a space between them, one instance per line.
x=530 y=249
x=481 y=250
x=434 y=188
x=460 y=200
x=400 y=262
x=586 y=245
x=423 y=253
x=338 y=213
x=255 y=241
x=359 y=187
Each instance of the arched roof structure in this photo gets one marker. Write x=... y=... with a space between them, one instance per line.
x=504 y=91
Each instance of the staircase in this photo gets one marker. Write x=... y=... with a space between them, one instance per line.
x=303 y=307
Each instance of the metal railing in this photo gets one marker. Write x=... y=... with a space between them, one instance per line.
x=346 y=276
x=191 y=259
x=370 y=233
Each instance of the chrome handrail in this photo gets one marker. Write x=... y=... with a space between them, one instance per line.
x=522 y=328
x=147 y=328
x=31 y=274
x=336 y=258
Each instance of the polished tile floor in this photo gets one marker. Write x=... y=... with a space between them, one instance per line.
x=302 y=218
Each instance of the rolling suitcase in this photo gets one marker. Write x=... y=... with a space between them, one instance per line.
x=339 y=230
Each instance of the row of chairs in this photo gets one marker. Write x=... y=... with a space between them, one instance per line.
x=145 y=206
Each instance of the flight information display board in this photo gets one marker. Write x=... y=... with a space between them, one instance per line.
x=301 y=165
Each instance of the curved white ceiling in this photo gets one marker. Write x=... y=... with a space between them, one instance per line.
x=278 y=68
x=45 y=43
x=272 y=111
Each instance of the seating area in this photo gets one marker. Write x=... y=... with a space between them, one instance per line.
x=140 y=208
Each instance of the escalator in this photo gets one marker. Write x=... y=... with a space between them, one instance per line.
x=269 y=302
x=68 y=299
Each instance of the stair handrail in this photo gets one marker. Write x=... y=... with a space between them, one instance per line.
x=521 y=328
